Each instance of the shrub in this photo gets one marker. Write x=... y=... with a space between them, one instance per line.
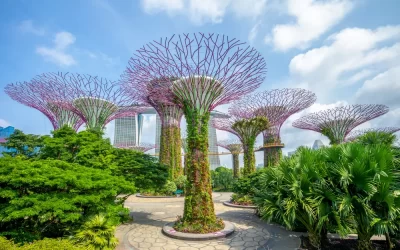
x=180 y=182
x=169 y=188
x=222 y=179
x=240 y=199
x=45 y=244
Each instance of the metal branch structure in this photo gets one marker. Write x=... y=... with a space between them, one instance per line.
x=142 y=147
x=353 y=135
x=277 y=105
x=32 y=95
x=170 y=115
x=337 y=123
x=235 y=147
x=97 y=101
x=205 y=71
x=247 y=130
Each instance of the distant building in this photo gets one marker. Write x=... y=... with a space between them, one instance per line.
x=317 y=144
x=4 y=134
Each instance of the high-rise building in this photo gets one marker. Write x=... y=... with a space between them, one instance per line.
x=317 y=144
x=4 y=134
x=126 y=132
x=213 y=158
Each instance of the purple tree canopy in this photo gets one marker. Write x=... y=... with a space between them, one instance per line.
x=96 y=100
x=359 y=132
x=35 y=96
x=233 y=146
x=276 y=105
x=142 y=147
x=203 y=70
x=336 y=123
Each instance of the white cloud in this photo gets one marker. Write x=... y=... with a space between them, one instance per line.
x=27 y=26
x=58 y=54
x=352 y=55
x=4 y=123
x=383 y=88
x=205 y=11
x=313 y=19
x=253 y=32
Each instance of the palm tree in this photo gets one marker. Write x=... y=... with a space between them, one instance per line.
x=366 y=176
x=299 y=190
x=97 y=233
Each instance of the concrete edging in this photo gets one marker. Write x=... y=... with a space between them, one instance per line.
x=229 y=204
x=169 y=231
x=145 y=196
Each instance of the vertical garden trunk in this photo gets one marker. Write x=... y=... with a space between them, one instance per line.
x=199 y=207
x=235 y=159
x=249 y=158
x=170 y=150
x=272 y=156
x=364 y=242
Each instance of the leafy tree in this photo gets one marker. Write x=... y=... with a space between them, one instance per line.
x=222 y=179
x=22 y=144
x=142 y=169
x=97 y=233
x=51 y=198
x=376 y=138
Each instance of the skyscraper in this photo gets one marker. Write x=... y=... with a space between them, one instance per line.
x=126 y=132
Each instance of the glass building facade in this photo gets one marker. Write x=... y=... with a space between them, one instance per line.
x=4 y=134
x=128 y=130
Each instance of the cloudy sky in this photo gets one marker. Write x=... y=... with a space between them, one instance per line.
x=346 y=51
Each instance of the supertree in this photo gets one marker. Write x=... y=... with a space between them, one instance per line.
x=184 y=147
x=235 y=147
x=337 y=123
x=353 y=135
x=212 y=70
x=142 y=147
x=276 y=105
x=247 y=129
x=33 y=95
x=170 y=115
x=96 y=100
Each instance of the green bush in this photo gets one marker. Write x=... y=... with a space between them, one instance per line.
x=241 y=199
x=169 y=188
x=180 y=182
x=249 y=184
x=45 y=244
x=222 y=179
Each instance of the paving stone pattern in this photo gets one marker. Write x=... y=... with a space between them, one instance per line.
x=151 y=214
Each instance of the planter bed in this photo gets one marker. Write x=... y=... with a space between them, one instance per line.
x=169 y=231
x=229 y=204
x=150 y=196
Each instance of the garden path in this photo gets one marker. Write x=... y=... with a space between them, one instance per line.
x=151 y=214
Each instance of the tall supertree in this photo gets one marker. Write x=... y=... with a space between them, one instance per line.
x=170 y=115
x=142 y=147
x=33 y=95
x=96 y=100
x=235 y=147
x=337 y=123
x=212 y=70
x=353 y=135
x=247 y=129
x=277 y=106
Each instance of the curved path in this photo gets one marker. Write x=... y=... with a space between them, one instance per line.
x=151 y=214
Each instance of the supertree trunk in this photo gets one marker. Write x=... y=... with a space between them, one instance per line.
x=170 y=150
x=199 y=207
x=272 y=156
x=236 y=171
x=249 y=158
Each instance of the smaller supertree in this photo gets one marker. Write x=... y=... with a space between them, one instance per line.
x=96 y=100
x=33 y=95
x=337 y=123
x=247 y=130
x=235 y=147
x=142 y=147
x=277 y=105
x=353 y=135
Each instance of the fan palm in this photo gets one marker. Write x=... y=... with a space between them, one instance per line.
x=365 y=177
x=98 y=234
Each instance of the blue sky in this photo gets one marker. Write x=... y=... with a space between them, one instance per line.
x=346 y=51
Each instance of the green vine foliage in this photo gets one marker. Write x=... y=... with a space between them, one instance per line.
x=333 y=140
x=248 y=129
x=272 y=156
x=236 y=172
x=170 y=150
x=199 y=215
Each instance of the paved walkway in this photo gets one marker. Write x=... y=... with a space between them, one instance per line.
x=151 y=214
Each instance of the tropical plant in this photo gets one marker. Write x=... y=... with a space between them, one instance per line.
x=222 y=179
x=377 y=137
x=45 y=244
x=51 y=198
x=97 y=233
x=180 y=182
